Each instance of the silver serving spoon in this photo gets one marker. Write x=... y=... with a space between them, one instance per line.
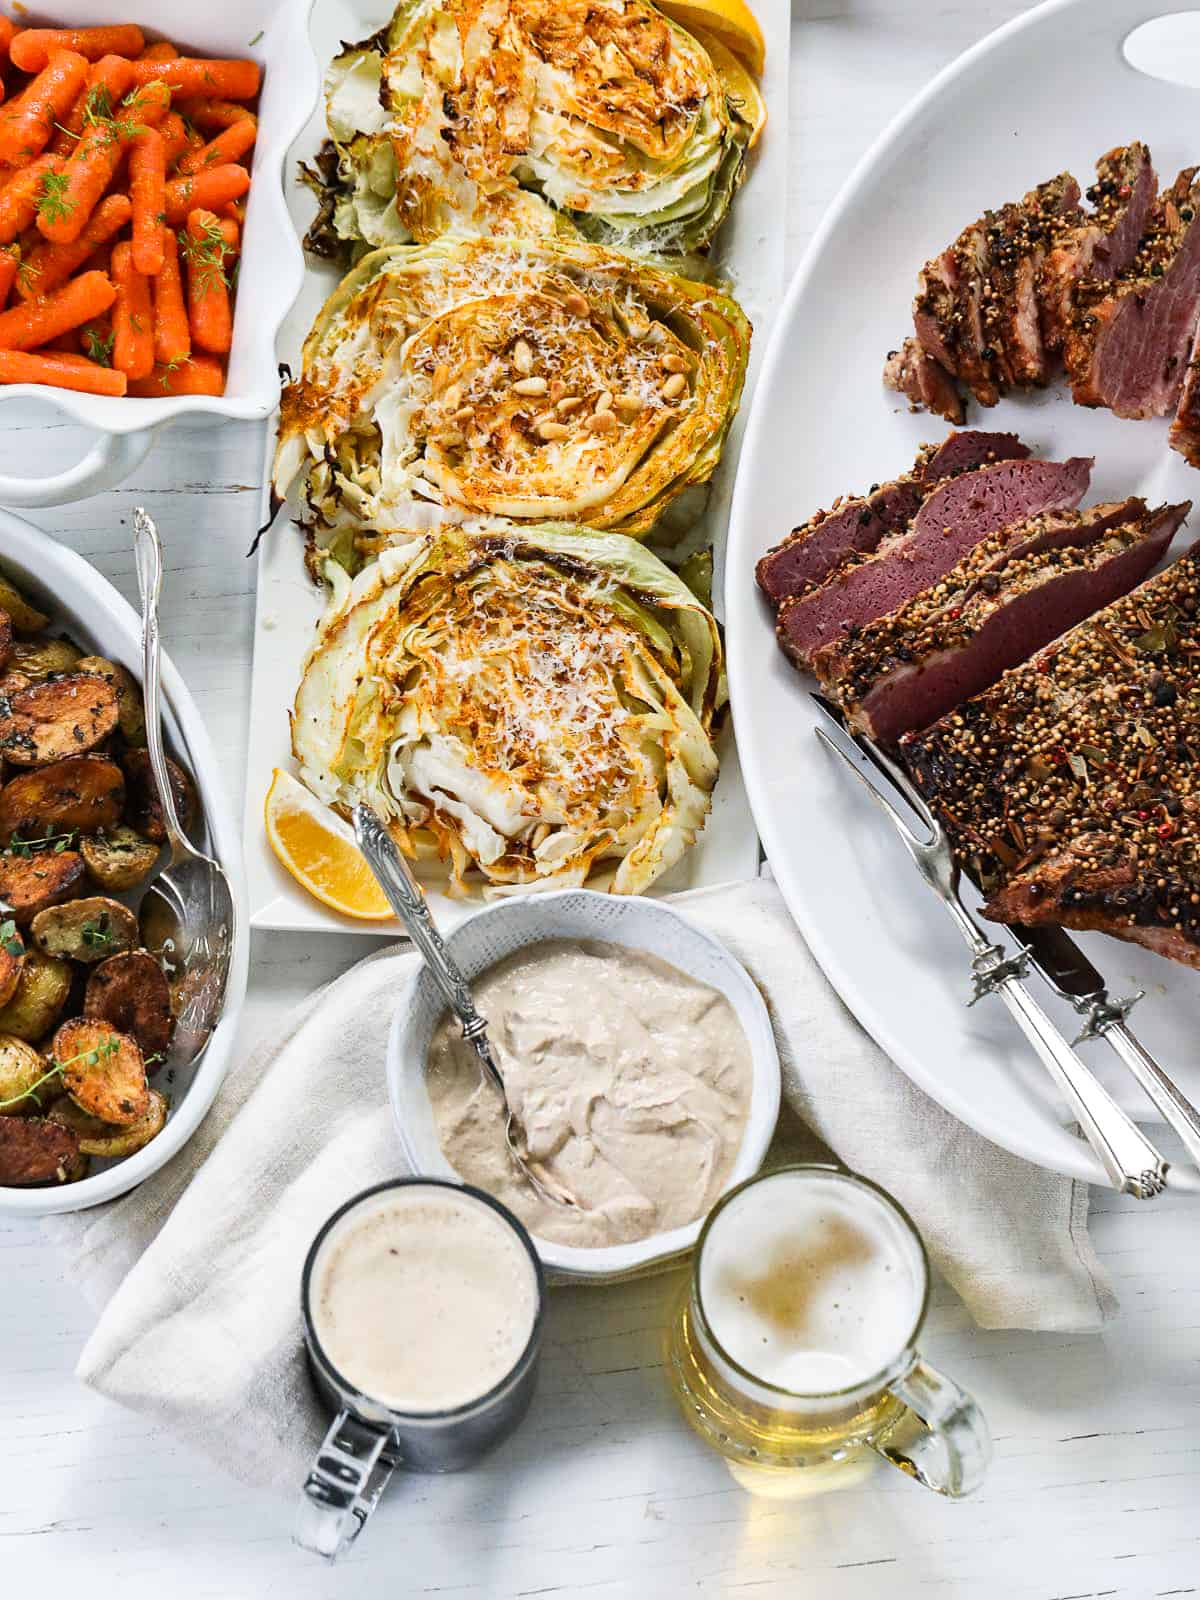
x=187 y=914
x=407 y=900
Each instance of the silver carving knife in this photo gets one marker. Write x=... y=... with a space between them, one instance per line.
x=1063 y=965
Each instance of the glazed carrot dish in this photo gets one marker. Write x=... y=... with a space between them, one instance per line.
x=124 y=169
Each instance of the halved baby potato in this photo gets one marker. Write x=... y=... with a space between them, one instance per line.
x=25 y=617
x=131 y=992
x=131 y=714
x=21 y=1067
x=56 y=718
x=143 y=809
x=39 y=997
x=30 y=883
x=119 y=858
x=104 y=1139
x=102 y=1071
x=39 y=658
x=36 y=1150
x=86 y=930
x=80 y=795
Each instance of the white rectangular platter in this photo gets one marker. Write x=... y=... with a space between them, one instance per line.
x=748 y=252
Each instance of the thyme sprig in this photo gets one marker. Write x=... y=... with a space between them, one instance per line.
x=92 y=1057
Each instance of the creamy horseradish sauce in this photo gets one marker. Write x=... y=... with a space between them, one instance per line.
x=631 y=1079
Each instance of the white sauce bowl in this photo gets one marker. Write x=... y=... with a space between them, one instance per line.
x=635 y=923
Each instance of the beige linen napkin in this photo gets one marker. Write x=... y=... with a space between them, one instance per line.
x=198 y=1270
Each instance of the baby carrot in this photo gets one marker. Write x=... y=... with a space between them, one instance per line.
x=200 y=375
x=20 y=196
x=48 y=265
x=231 y=80
x=91 y=168
x=161 y=50
x=33 y=47
x=27 y=123
x=67 y=372
x=229 y=145
x=204 y=191
x=177 y=138
x=147 y=180
x=27 y=326
x=213 y=114
x=108 y=80
x=133 y=316
x=8 y=274
x=172 y=335
x=208 y=245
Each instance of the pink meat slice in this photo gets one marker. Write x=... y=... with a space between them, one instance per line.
x=952 y=521
x=1069 y=587
x=1128 y=349
x=818 y=547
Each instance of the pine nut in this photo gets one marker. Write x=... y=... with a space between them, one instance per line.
x=601 y=422
x=463 y=415
x=530 y=386
x=568 y=403
x=674 y=386
x=629 y=404
x=576 y=305
x=453 y=397
x=552 y=430
x=604 y=403
x=674 y=363
x=522 y=357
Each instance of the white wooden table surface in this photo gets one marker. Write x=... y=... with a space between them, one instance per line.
x=604 y=1493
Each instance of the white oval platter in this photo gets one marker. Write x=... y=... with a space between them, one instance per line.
x=1049 y=91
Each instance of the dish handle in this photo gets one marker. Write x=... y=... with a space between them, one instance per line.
x=110 y=460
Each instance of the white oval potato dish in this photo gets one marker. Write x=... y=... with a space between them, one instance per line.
x=999 y=120
x=274 y=33
x=87 y=607
x=637 y=924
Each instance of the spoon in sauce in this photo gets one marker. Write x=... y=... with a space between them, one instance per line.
x=407 y=900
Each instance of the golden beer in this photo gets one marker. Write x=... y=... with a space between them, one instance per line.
x=793 y=1350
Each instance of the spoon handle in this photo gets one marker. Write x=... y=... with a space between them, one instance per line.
x=147 y=550
x=407 y=900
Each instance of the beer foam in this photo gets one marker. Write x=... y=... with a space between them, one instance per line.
x=423 y=1298
x=810 y=1282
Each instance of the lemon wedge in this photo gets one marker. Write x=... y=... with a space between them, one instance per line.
x=739 y=83
x=731 y=21
x=320 y=852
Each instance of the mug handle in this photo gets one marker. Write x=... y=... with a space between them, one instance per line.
x=941 y=1438
x=110 y=460
x=344 y=1485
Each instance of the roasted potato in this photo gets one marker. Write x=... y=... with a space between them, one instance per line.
x=131 y=992
x=98 y=1138
x=38 y=1000
x=131 y=714
x=35 y=1150
x=85 y=930
x=21 y=1067
x=102 y=1071
x=12 y=959
x=56 y=718
x=143 y=810
x=33 y=879
x=80 y=795
x=25 y=618
x=118 y=858
x=41 y=658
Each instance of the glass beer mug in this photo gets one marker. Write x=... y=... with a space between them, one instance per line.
x=793 y=1351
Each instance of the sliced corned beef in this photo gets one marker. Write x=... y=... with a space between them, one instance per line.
x=1019 y=237
x=907 y=670
x=1185 y=427
x=1129 y=343
x=952 y=521
x=913 y=372
x=817 y=548
x=1104 y=243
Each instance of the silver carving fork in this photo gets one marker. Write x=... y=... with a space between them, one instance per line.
x=1131 y=1162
